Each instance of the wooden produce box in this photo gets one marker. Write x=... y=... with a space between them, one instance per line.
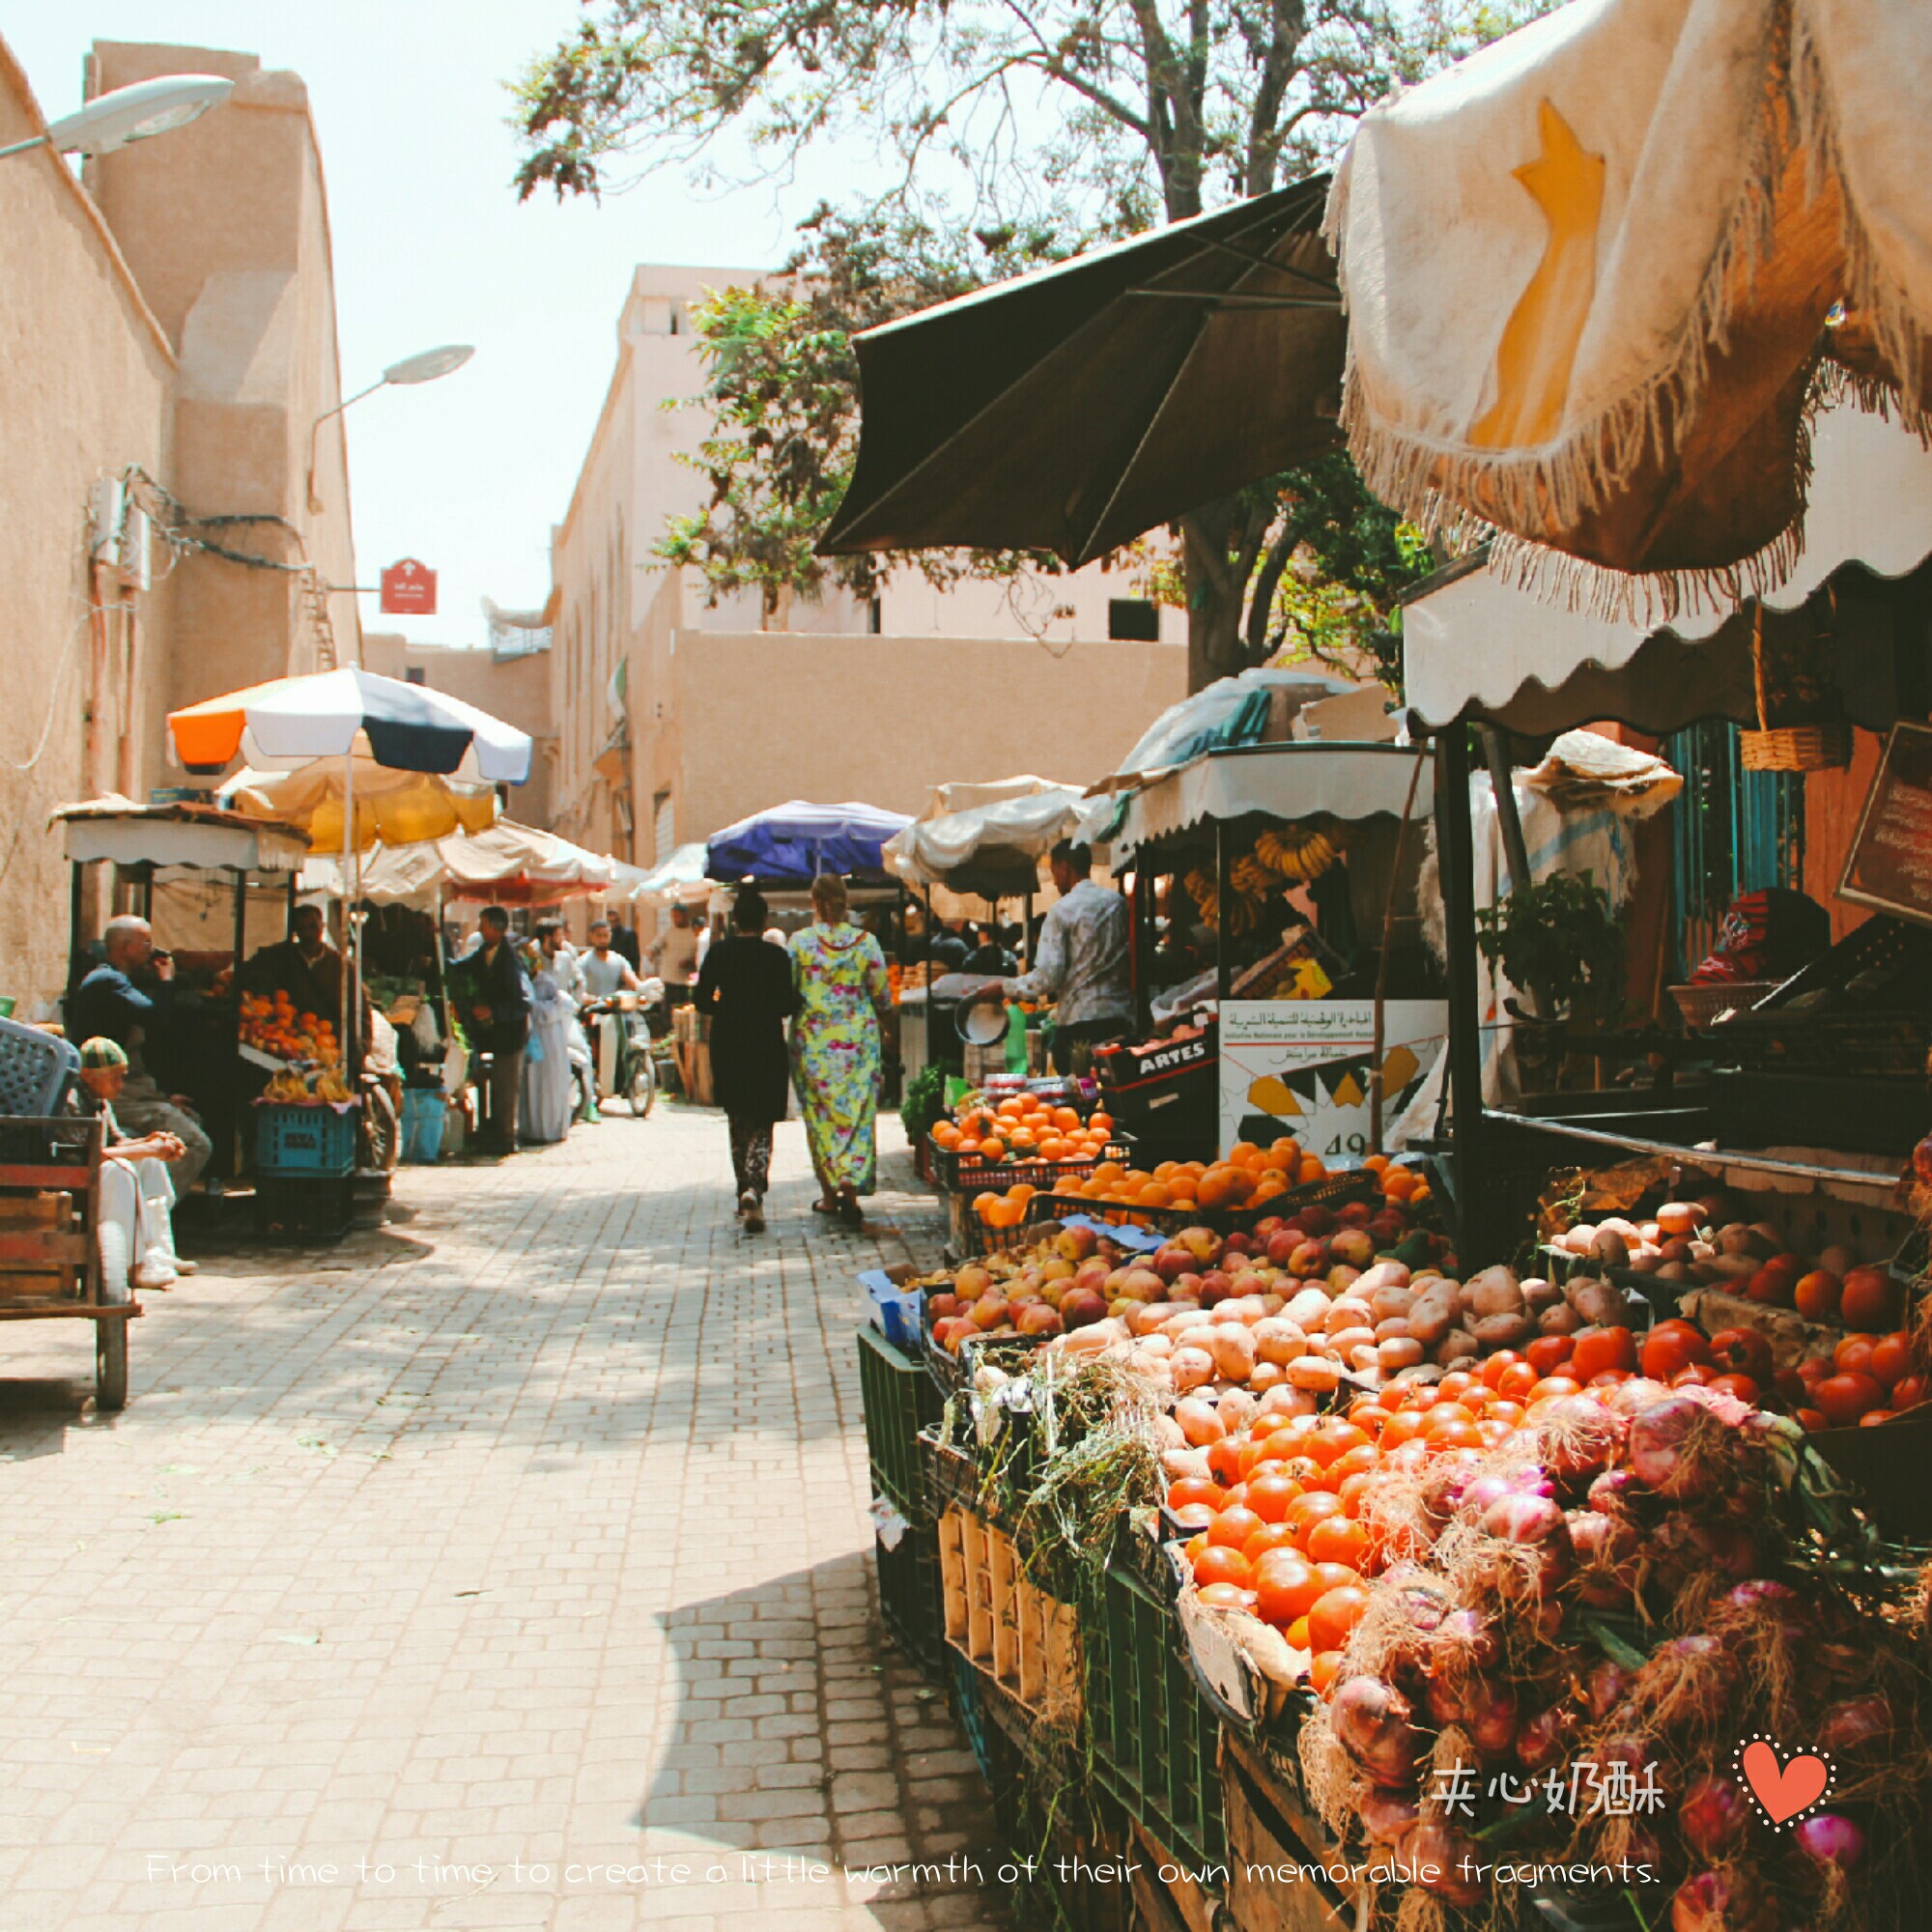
x=1271 y=1828
x=37 y=1232
x=1025 y=1641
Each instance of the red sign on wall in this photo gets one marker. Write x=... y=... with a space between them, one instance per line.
x=409 y=589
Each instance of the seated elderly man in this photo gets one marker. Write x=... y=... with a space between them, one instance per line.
x=137 y=1193
x=129 y=998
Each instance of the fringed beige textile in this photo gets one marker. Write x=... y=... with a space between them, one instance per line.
x=1591 y=272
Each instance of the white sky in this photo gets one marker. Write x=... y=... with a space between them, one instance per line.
x=432 y=246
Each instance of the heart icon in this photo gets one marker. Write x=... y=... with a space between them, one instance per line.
x=1787 y=1791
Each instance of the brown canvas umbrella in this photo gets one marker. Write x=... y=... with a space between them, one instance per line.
x=1600 y=273
x=1076 y=408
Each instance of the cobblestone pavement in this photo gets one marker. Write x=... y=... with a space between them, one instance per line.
x=528 y=1534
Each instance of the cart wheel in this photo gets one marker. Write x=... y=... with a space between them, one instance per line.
x=644 y=1085
x=110 y=1366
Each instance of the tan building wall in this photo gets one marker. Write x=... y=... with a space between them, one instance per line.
x=225 y=224
x=169 y=327
x=764 y=719
x=835 y=697
x=86 y=379
x=513 y=688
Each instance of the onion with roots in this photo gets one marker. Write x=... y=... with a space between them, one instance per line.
x=1443 y=1861
x=1715 y=1817
x=1544 y=1739
x=1857 y=1723
x=1606 y=1550
x=1464 y=1640
x=1724 y=1901
x=1729 y=1548
x=1449 y=1476
x=1579 y=1438
x=1605 y=1687
x=1373 y=1726
x=1387 y=1815
x=1688 y=1683
x=1676 y=1447
x=1613 y=1493
x=1831 y=1841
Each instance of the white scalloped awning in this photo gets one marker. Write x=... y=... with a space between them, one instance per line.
x=1478 y=642
x=1284 y=781
x=1017 y=826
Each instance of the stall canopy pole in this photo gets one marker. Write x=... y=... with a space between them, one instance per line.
x=1376 y=1095
x=1456 y=850
x=349 y=873
x=77 y=920
x=1143 y=913
x=1224 y=962
x=234 y=1135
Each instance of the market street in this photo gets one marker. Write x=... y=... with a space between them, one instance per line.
x=532 y=1528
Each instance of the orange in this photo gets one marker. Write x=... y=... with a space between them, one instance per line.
x=1241 y=1152
x=1213 y=1190
x=992 y=1151
x=1100 y=1123
x=1153 y=1195
x=1066 y=1120
x=982 y=1203
x=1376 y=1163
x=1312 y=1168
x=1400 y=1182
x=1323 y=1667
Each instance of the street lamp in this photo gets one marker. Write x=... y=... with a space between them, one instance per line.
x=426 y=367
x=129 y=114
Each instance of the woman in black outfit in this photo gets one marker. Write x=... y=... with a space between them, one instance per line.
x=746 y=986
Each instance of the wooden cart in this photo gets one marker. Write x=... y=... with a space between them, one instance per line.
x=49 y=1241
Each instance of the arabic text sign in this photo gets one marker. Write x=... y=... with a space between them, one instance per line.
x=1303 y=1068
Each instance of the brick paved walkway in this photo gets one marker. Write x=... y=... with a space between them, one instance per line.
x=530 y=1529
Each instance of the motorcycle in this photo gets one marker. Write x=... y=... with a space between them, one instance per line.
x=621 y=1039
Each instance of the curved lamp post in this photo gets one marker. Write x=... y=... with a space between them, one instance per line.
x=130 y=114
x=425 y=367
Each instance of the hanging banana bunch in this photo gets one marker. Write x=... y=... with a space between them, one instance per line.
x=1302 y=852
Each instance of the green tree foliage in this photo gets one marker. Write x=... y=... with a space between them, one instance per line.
x=1017 y=130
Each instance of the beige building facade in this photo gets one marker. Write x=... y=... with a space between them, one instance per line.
x=167 y=345
x=675 y=717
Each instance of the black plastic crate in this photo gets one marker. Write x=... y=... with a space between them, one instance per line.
x=301 y=1208
x=1157 y=1744
x=900 y=1398
x=911 y=1603
x=1882 y=1114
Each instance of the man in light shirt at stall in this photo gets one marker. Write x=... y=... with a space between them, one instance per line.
x=675 y=950
x=1083 y=962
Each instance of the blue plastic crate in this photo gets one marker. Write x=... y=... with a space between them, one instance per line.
x=291 y=1138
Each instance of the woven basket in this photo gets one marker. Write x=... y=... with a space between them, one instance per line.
x=1701 y=1004
x=1797 y=747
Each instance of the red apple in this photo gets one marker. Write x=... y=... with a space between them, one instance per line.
x=990 y=1312
x=939 y=1306
x=1353 y=1247
x=1171 y=1261
x=1741 y=1351
x=1038 y=1320
x=1317 y=1219
x=1081 y=1307
x=1237 y=1245
x=1282 y=1245
x=1309 y=1259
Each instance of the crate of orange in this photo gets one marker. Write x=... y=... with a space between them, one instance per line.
x=998 y=1145
x=1228 y=1195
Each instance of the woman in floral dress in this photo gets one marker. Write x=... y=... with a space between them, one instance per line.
x=842 y=989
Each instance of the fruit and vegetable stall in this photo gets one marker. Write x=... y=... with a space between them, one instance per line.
x=1303 y=1575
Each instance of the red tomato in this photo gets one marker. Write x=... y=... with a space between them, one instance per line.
x=1224 y=1461
x=1269 y=1536
x=1350 y=1488
x=1493 y=1367
x=1873 y=1416
x=1227 y=1597
x=1852 y=1356
x=1494 y=1432
x=1744 y=1388
x=1845 y=1397
x=1305 y=1512
x=1546 y=1355
x=1671 y=1346
x=1195 y=1490
x=1323 y=1667
x=1891 y=1358
x=1286 y=1587
x=1450 y=1388
x=1335 y=1615
x=1555 y=1385
x=1464 y=1434
x=1599 y=1349
x=1811 y=1420
x=1908 y=1392
x=1697 y=1375
x=1333 y=1439
x=1270 y=1492
x=1505 y=1409
x=1516 y=1381
x=1233 y=1527
x=1740 y=1351
x=1403 y=1427
x=1217 y=1564
x=1873 y=1300
x=1339 y=1538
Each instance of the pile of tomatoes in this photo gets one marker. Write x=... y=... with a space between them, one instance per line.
x=1279 y=1525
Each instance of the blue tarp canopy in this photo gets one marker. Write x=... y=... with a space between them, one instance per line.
x=790 y=844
